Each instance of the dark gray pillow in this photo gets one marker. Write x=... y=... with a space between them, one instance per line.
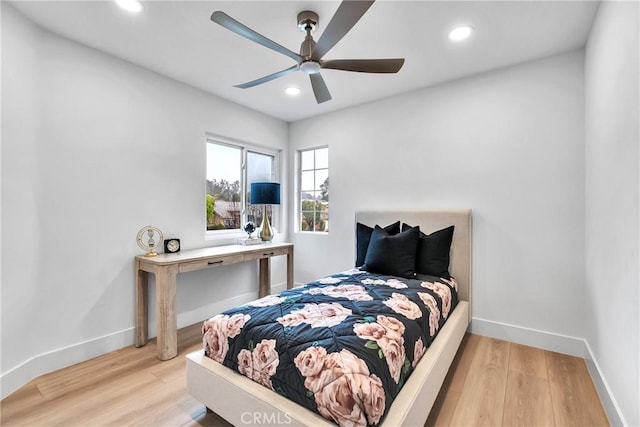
x=392 y=255
x=434 y=249
x=363 y=235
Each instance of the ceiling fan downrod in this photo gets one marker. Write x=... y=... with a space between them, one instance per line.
x=307 y=23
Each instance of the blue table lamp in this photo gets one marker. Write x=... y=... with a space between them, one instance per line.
x=265 y=193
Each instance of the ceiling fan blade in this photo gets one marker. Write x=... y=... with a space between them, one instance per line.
x=349 y=12
x=231 y=24
x=267 y=78
x=365 y=65
x=319 y=88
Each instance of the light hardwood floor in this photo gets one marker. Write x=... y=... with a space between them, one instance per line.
x=491 y=383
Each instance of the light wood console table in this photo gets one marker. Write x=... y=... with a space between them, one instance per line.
x=166 y=267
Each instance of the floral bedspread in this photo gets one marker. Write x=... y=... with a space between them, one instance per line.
x=342 y=346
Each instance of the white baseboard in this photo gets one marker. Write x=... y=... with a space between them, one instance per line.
x=559 y=343
x=50 y=361
x=527 y=336
x=602 y=387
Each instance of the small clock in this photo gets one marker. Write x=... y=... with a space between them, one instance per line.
x=172 y=245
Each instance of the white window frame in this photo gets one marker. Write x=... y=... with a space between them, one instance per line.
x=245 y=148
x=298 y=215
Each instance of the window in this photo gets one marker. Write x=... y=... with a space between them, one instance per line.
x=231 y=168
x=314 y=190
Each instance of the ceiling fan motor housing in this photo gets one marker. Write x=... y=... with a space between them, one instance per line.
x=306 y=19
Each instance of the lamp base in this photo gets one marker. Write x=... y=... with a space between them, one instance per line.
x=266 y=232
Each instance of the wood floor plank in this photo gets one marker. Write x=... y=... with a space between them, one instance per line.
x=527 y=398
x=529 y=361
x=449 y=394
x=527 y=401
x=82 y=406
x=21 y=401
x=114 y=365
x=573 y=395
x=170 y=370
x=152 y=406
x=482 y=399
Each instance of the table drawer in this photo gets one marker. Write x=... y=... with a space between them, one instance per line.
x=210 y=262
x=266 y=253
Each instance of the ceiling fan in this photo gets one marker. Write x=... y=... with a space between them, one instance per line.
x=309 y=60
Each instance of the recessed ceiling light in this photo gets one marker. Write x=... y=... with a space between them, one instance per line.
x=292 y=91
x=460 y=33
x=133 y=6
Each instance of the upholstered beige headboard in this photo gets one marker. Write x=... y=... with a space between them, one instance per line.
x=429 y=221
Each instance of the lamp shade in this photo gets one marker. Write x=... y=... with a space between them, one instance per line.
x=265 y=193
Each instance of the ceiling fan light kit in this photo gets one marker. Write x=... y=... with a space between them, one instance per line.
x=310 y=67
x=309 y=60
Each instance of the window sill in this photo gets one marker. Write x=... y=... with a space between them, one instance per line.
x=223 y=237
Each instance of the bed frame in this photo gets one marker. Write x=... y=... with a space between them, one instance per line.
x=241 y=401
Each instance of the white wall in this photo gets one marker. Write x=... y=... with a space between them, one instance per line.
x=20 y=225
x=510 y=145
x=94 y=148
x=612 y=196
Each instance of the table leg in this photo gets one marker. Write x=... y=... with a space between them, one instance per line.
x=142 y=314
x=264 y=288
x=290 y=269
x=167 y=317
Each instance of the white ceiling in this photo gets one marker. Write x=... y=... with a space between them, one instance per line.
x=177 y=39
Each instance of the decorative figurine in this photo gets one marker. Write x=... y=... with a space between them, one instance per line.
x=249 y=228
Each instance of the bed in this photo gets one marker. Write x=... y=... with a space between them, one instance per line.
x=241 y=401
